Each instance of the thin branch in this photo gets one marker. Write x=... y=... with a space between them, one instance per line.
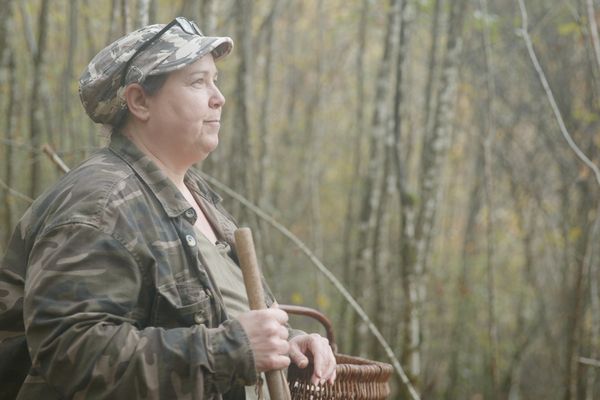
x=336 y=283
x=15 y=143
x=525 y=34
x=15 y=192
x=60 y=164
x=589 y=361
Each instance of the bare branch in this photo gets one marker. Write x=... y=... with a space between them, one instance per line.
x=55 y=158
x=324 y=270
x=589 y=361
x=525 y=34
x=15 y=192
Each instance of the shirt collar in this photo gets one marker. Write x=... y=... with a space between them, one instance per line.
x=163 y=188
x=197 y=184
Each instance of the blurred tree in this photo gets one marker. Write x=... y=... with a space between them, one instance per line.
x=35 y=113
x=241 y=166
x=7 y=67
x=370 y=184
x=363 y=128
x=142 y=13
x=66 y=98
x=350 y=224
x=207 y=17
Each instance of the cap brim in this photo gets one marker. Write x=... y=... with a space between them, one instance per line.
x=200 y=46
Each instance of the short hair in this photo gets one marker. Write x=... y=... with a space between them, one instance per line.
x=151 y=85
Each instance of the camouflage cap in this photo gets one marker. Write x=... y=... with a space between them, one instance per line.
x=100 y=86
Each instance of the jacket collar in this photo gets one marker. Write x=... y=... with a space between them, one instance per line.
x=163 y=188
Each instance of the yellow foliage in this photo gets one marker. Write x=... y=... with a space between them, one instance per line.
x=584 y=115
x=323 y=302
x=574 y=233
x=569 y=28
x=297 y=298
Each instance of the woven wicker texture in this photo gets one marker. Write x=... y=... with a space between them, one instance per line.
x=357 y=379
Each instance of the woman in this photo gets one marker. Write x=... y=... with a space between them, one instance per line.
x=125 y=271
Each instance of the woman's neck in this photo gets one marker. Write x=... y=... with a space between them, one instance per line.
x=174 y=171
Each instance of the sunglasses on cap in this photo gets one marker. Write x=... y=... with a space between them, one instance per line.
x=185 y=24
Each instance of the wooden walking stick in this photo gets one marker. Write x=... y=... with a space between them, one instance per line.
x=276 y=381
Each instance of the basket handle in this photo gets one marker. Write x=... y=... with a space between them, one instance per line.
x=315 y=314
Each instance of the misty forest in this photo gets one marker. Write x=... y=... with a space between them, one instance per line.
x=424 y=172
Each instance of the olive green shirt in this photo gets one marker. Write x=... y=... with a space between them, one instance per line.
x=230 y=282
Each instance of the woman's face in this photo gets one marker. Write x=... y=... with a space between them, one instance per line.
x=185 y=114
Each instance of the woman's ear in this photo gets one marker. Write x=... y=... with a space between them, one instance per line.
x=137 y=101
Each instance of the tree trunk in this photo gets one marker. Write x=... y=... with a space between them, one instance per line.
x=487 y=139
x=152 y=12
x=90 y=34
x=5 y=18
x=125 y=17
x=292 y=90
x=208 y=17
x=115 y=12
x=35 y=129
x=264 y=153
x=142 y=13
x=349 y=263
x=391 y=179
x=371 y=183
x=313 y=140
x=29 y=36
x=431 y=75
x=190 y=9
x=65 y=126
x=262 y=192
x=241 y=163
x=414 y=246
x=459 y=332
x=575 y=295
x=593 y=272
x=11 y=121
x=435 y=149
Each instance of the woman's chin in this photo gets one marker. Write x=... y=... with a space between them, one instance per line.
x=203 y=150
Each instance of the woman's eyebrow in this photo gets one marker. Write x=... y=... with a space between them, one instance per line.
x=204 y=72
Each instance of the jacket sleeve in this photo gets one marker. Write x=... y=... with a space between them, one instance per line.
x=82 y=296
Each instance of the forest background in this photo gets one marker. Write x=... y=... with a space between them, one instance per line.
x=417 y=147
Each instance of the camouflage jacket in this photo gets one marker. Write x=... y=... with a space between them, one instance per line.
x=103 y=286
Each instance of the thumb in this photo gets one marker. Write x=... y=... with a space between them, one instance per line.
x=297 y=357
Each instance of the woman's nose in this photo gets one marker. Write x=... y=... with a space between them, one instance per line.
x=217 y=99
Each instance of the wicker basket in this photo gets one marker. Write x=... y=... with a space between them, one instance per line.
x=357 y=378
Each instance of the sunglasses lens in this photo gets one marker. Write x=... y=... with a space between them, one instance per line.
x=188 y=26
x=195 y=26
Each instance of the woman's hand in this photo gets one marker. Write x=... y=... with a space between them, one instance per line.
x=317 y=348
x=268 y=335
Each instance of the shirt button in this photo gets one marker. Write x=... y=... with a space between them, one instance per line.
x=190 y=214
x=199 y=318
x=191 y=241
